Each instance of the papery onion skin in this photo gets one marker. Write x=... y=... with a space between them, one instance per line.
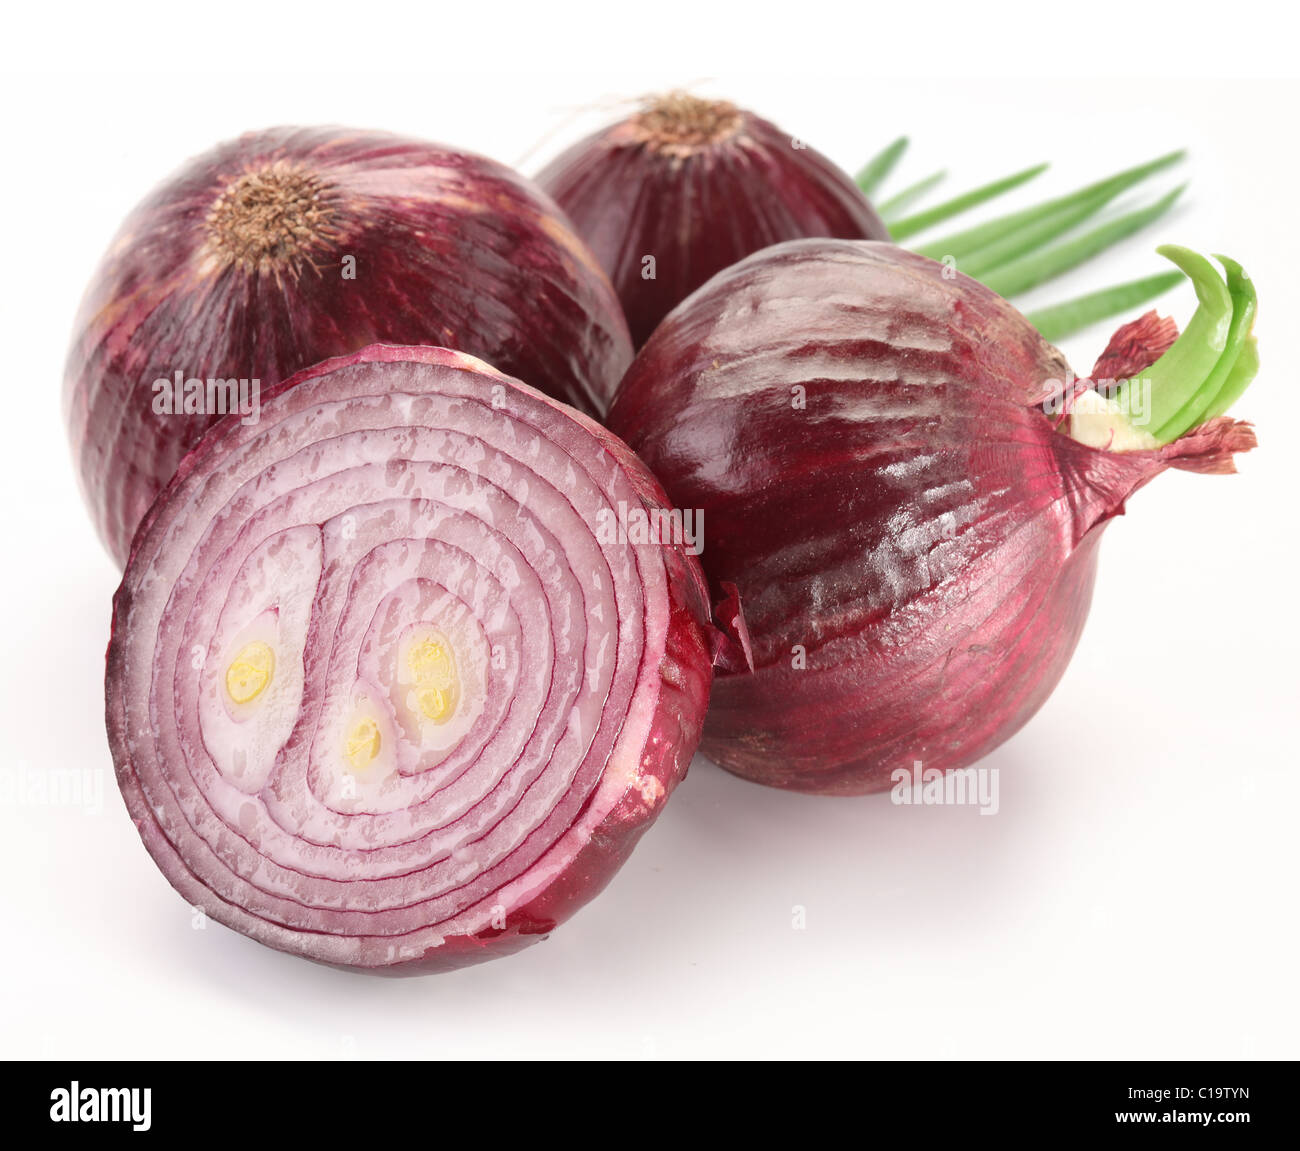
x=919 y=529
x=446 y=453
x=237 y=267
x=698 y=185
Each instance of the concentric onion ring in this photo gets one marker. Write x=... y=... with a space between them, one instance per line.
x=382 y=690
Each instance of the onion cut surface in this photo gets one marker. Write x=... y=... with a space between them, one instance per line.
x=382 y=689
x=284 y=247
x=902 y=538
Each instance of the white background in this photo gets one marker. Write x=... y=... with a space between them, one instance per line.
x=1136 y=894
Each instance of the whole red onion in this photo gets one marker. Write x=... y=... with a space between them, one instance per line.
x=388 y=686
x=283 y=247
x=686 y=187
x=901 y=541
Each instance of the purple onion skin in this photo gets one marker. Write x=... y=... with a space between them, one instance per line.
x=698 y=209
x=920 y=528
x=168 y=587
x=449 y=249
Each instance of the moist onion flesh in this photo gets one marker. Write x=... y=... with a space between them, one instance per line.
x=383 y=689
x=902 y=539
x=284 y=247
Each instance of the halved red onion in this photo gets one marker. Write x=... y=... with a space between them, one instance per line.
x=902 y=540
x=686 y=187
x=388 y=686
x=284 y=247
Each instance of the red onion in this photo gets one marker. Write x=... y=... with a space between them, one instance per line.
x=386 y=689
x=902 y=542
x=283 y=247
x=686 y=187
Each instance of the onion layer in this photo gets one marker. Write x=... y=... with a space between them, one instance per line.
x=384 y=689
x=686 y=187
x=902 y=542
x=284 y=247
